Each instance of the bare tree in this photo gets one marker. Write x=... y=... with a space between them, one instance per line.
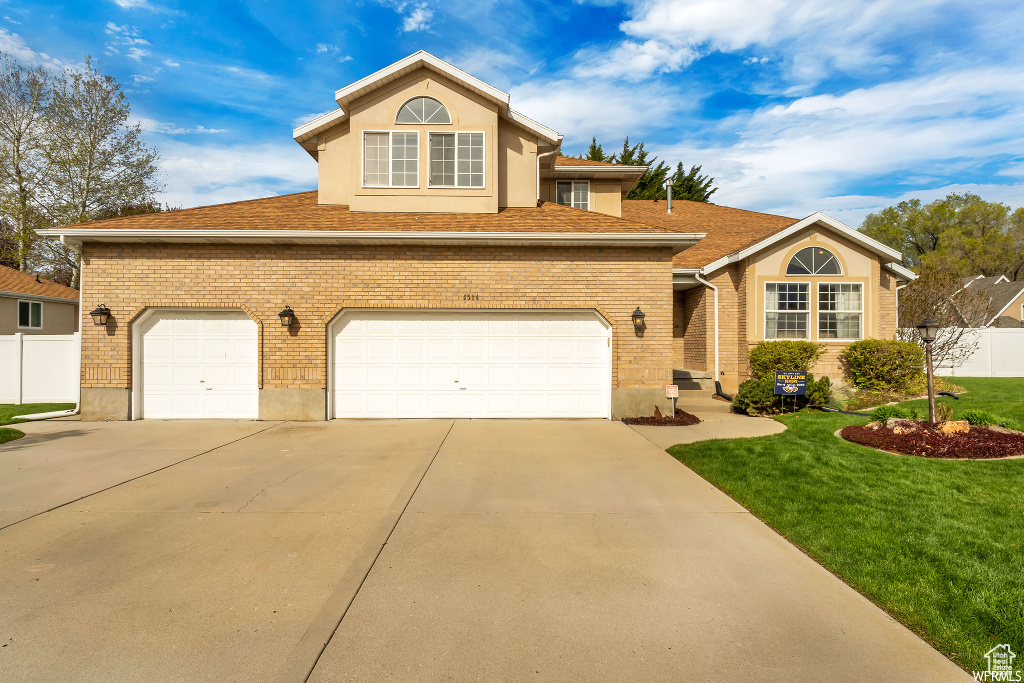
x=25 y=96
x=940 y=294
x=97 y=160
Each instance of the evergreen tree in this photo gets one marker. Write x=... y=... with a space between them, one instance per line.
x=595 y=152
x=692 y=186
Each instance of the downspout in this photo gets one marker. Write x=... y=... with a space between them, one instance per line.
x=544 y=154
x=718 y=384
x=78 y=403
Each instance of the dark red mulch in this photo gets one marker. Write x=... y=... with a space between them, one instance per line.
x=979 y=443
x=682 y=419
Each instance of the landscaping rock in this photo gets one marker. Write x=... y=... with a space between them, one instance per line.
x=903 y=425
x=1002 y=430
x=954 y=427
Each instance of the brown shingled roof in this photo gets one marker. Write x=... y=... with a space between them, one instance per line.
x=302 y=212
x=728 y=230
x=12 y=280
x=573 y=161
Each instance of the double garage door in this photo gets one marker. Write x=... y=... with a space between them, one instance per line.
x=203 y=364
x=471 y=364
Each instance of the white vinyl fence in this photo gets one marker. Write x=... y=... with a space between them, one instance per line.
x=1000 y=353
x=39 y=368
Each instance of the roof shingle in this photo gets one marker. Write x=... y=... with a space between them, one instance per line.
x=302 y=212
x=12 y=280
x=574 y=161
x=728 y=230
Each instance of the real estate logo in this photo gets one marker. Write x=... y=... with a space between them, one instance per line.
x=1000 y=665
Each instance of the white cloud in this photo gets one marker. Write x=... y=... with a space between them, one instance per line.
x=12 y=21
x=154 y=126
x=306 y=118
x=796 y=159
x=327 y=48
x=171 y=63
x=124 y=36
x=632 y=61
x=136 y=53
x=418 y=19
x=581 y=109
x=14 y=45
x=198 y=175
x=139 y=79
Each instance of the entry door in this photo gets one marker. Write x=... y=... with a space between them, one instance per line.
x=471 y=364
x=198 y=364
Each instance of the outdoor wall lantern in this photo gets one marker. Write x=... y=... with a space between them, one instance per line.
x=638 y=319
x=100 y=315
x=929 y=330
x=287 y=316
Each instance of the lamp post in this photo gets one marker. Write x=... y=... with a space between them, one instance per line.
x=929 y=329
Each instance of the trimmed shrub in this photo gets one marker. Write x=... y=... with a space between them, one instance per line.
x=757 y=396
x=885 y=365
x=770 y=356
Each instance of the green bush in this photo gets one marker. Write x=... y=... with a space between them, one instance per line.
x=885 y=365
x=757 y=396
x=979 y=418
x=883 y=413
x=769 y=356
x=983 y=418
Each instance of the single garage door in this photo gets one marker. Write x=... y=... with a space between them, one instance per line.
x=471 y=364
x=199 y=364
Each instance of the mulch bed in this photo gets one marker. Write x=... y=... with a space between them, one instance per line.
x=980 y=443
x=682 y=419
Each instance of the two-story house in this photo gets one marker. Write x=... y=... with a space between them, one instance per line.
x=451 y=263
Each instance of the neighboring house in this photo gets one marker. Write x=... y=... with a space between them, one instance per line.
x=1005 y=300
x=452 y=264
x=31 y=305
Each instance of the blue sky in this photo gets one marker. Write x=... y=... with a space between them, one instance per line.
x=793 y=107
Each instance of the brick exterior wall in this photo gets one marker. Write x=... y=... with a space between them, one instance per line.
x=320 y=281
x=697 y=313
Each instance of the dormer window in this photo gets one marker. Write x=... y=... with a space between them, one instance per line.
x=423 y=110
x=814 y=261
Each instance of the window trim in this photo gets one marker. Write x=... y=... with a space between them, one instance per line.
x=391 y=147
x=572 y=191
x=808 y=312
x=456 y=186
x=29 y=326
x=841 y=273
x=433 y=123
x=818 y=312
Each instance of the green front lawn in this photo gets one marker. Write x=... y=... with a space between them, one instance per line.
x=938 y=544
x=8 y=411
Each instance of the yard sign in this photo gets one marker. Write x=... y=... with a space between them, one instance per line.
x=790 y=383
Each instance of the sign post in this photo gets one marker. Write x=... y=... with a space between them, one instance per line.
x=790 y=383
x=672 y=392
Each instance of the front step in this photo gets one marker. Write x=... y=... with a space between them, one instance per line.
x=693 y=380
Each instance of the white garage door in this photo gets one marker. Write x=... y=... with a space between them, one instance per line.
x=198 y=364
x=471 y=364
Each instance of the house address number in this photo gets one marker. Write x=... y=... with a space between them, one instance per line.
x=471 y=297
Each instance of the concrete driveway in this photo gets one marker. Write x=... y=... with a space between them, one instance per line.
x=407 y=550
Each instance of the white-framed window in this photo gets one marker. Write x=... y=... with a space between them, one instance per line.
x=30 y=315
x=456 y=159
x=391 y=159
x=423 y=110
x=840 y=311
x=814 y=261
x=787 y=310
x=574 y=193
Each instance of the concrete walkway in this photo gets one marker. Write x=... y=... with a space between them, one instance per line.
x=717 y=422
x=411 y=550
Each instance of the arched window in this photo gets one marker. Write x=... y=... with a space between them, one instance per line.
x=423 y=110
x=814 y=261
